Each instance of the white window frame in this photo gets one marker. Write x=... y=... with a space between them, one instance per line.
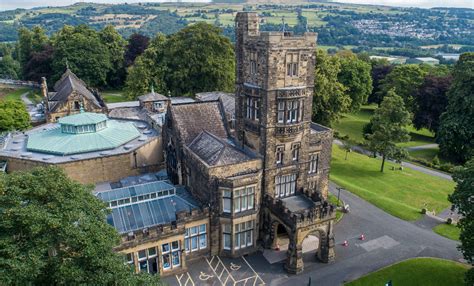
x=244 y=199
x=295 y=151
x=280 y=154
x=198 y=233
x=226 y=199
x=313 y=163
x=285 y=185
x=243 y=234
x=227 y=233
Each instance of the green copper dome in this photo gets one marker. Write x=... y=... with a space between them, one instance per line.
x=82 y=133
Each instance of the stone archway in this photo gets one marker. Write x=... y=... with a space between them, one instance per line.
x=325 y=244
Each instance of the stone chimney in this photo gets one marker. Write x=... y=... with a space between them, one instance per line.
x=44 y=90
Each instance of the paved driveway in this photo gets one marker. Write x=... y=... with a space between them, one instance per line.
x=387 y=240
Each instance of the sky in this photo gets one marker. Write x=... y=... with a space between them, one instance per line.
x=13 y=4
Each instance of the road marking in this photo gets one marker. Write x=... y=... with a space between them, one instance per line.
x=235 y=266
x=203 y=276
x=188 y=280
x=256 y=274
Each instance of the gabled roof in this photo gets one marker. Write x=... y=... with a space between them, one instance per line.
x=67 y=84
x=217 y=151
x=228 y=99
x=152 y=96
x=193 y=118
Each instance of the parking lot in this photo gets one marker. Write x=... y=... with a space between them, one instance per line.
x=219 y=271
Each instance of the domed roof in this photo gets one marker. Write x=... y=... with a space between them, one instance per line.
x=83 y=118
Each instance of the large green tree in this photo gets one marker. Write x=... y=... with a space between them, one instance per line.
x=30 y=42
x=199 y=58
x=355 y=76
x=462 y=199
x=53 y=231
x=405 y=80
x=431 y=101
x=148 y=70
x=388 y=127
x=82 y=48
x=115 y=45
x=330 y=99
x=13 y=115
x=456 y=132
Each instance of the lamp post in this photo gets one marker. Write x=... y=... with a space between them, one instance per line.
x=338 y=195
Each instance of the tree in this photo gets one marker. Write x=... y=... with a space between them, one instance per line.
x=13 y=115
x=380 y=69
x=30 y=42
x=405 y=81
x=330 y=99
x=431 y=101
x=53 y=231
x=40 y=64
x=355 y=76
x=388 y=128
x=347 y=147
x=462 y=200
x=115 y=45
x=199 y=58
x=456 y=132
x=148 y=70
x=137 y=44
x=9 y=68
x=82 y=49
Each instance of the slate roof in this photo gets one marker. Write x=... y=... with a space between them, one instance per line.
x=67 y=84
x=152 y=96
x=149 y=212
x=228 y=99
x=193 y=118
x=216 y=151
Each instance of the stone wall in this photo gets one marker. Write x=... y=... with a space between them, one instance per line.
x=112 y=168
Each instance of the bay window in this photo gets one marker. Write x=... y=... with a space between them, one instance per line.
x=289 y=111
x=285 y=185
x=243 y=234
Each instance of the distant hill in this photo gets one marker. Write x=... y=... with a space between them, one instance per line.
x=338 y=25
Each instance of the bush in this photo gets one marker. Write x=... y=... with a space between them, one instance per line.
x=436 y=161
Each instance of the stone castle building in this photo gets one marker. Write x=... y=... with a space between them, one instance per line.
x=242 y=171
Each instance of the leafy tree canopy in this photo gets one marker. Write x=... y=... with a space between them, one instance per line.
x=82 y=48
x=13 y=116
x=355 y=76
x=462 y=200
x=199 y=58
x=405 y=81
x=388 y=127
x=456 y=132
x=53 y=231
x=431 y=101
x=115 y=45
x=330 y=99
x=137 y=44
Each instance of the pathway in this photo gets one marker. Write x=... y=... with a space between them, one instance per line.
x=423 y=147
x=409 y=165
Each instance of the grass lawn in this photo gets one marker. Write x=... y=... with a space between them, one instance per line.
x=13 y=94
x=415 y=272
x=35 y=96
x=112 y=96
x=426 y=154
x=448 y=230
x=352 y=124
x=400 y=193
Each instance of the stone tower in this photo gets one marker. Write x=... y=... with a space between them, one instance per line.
x=274 y=88
x=275 y=81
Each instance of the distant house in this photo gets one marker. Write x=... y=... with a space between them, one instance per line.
x=391 y=59
x=424 y=60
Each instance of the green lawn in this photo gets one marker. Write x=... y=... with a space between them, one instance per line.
x=448 y=230
x=400 y=193
x=352 y=124
x=425 y=154
x=112 y=96
x=15 y=94
x=35 y=96
x=417 y=272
